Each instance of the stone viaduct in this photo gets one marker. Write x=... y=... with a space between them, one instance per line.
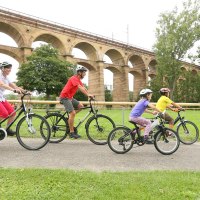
x=25 y=30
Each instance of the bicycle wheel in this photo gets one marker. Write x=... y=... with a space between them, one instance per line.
x=166 y=141
x=59 y=127
x=188 y=132
x=98 y=127
x=120 y=140
x=33 y=132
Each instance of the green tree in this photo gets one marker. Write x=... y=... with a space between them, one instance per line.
x=131 y=96
x=44 y=72
x=176 y=33
x=108 y=94
x=188 y=88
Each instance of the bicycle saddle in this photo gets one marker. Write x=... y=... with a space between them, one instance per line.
x=135 y=124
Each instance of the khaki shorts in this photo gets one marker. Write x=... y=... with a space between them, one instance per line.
x=168 y=118
x=69 y=104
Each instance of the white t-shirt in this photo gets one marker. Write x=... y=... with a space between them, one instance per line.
x=7 y=81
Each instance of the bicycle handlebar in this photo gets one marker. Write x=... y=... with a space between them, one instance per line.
x=25 y=93
x=181 y=109
x=91 y=98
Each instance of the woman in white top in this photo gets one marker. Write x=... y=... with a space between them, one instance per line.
x=5 y=84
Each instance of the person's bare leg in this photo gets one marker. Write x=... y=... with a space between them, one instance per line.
x=10 y=120
x=72 y=134
x=71 y=120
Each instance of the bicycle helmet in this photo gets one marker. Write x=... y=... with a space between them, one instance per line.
x=5 y=65
x=145 y=91
x=164 y=90
x=81 y=69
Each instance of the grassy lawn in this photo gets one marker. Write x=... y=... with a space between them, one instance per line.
x=35 y=184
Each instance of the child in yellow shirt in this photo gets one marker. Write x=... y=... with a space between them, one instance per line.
x=165 y=102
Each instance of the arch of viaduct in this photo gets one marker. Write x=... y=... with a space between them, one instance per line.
x=125 y=59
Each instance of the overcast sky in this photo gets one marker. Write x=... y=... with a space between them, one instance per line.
x=128 y=20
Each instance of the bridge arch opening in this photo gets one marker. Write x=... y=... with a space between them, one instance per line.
x=108 y=74
x=38 y=44
x=86 y=48
x=78 y=53
x=131 y=82
x=13 y=33
x=136 y=62
x=50 y=39
x=7 y=40
x=151 y=70
x=7 y=43
x=115 y=57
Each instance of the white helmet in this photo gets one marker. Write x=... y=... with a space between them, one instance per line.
x=145 y=91
x=81 y=69
x=5 y=65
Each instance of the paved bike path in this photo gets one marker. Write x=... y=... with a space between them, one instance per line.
x=83 y=155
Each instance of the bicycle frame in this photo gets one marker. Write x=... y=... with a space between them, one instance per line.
x=85 y=117
x=178 y=118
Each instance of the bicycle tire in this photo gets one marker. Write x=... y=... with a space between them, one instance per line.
x=188 y=133
x=59 y=130
x=98 y=127
x=166 y=141
x=37 y=136
x=120 y=140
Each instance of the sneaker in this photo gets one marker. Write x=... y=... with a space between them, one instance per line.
x=10 y=132
x=74 y=135
x=149 y=141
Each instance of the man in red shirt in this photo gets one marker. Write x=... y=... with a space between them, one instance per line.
x=66 y=97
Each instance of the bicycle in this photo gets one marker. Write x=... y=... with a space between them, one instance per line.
x=122 y=139
x=32 y=130
x=97 y=126
x=187 y=131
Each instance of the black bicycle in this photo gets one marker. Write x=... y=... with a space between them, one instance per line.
x=122 y=139
x=32 y=130
x=187 y=131
x=97 y=126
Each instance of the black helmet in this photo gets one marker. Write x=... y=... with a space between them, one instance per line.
x=81 y=69
x=5 y=65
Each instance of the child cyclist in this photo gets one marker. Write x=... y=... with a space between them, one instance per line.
x=140 y=108
x=165 y=102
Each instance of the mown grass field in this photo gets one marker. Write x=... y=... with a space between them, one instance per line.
x=43 y=184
